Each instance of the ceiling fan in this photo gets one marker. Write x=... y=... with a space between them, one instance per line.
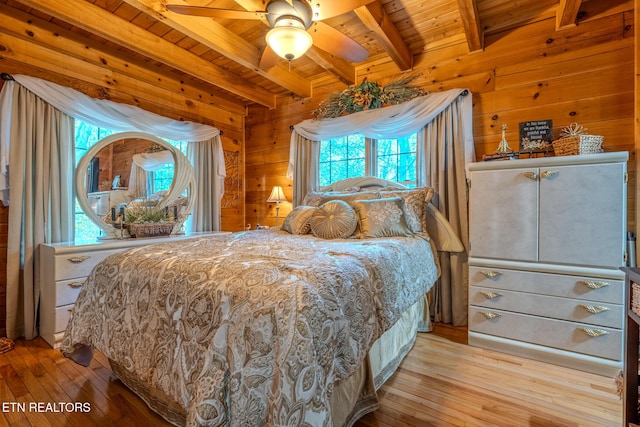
x=295 y=26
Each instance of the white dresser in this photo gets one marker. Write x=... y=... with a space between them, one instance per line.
x=63 y=268
x=547 y=239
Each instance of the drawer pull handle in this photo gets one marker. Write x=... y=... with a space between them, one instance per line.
x=594 y=309
x=70 y=310
x=490 y=274
x=594 y=333
x=490 y=314
x=78 y=259
x=531 y=175
x=490 y=294
x=594 y=284
x=549 y=174
x=75 y=285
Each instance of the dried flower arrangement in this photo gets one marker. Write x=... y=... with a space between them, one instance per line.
x=368 y=96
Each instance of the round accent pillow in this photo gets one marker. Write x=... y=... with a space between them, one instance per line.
x=297 y=221
x=334 y=220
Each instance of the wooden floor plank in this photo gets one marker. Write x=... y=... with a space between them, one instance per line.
x=442 y=382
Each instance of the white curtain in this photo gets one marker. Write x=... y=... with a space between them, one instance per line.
x=141 y=164
x=443 y=122
x=445 y=148
x=209 y=169
x=303 y=166
x=41 y=155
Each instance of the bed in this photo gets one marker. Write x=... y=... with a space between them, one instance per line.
x=269 y=327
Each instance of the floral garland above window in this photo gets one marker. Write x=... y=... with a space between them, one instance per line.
x=368 y=96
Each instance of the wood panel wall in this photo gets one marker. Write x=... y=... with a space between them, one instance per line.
x=583 y=74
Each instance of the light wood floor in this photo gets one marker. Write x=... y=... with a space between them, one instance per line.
x=442 y=382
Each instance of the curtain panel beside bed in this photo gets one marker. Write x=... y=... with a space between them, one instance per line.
x=443 y=122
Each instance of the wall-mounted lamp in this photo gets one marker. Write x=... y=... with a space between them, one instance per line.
x=277 y=196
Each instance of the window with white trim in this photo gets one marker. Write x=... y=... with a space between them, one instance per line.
x=350 y=156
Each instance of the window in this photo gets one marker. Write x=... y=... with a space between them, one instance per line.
x=86 y=135
x=351 y=156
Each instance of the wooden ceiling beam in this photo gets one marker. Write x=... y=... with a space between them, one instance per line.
x=217 y=37
x=113 y=72
x=98 y=21
x=471 y=22
x=567 y=13
x=344 y=70
x=376 y=19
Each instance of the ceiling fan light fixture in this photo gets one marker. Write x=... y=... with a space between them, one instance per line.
x=289 y=39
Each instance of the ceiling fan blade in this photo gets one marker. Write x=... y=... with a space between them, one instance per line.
x=269 y=58
x=212 y=12
x=325 y=9
x=333 y=41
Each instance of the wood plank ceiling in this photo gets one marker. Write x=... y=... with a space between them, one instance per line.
x=223 y=55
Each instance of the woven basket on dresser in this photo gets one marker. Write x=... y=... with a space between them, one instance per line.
x=578 y=144
x=153 y=229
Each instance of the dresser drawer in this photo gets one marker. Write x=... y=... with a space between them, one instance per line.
x=575 y=310
x=67 y=291
x=585 y=288
x=63 y=314
x=576 y=337
x=72 y=266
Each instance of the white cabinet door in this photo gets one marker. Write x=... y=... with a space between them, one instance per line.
x=503 y=207
x=581 y=214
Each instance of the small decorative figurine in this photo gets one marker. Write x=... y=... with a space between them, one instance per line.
x=503 y=147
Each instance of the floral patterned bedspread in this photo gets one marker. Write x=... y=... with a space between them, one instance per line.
x=251 y=328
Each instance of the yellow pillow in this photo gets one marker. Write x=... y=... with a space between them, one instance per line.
x=382 y=217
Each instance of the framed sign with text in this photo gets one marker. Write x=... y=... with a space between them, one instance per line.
x=536 y=136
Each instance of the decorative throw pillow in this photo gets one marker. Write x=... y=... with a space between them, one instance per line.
x=415 y=202
x=333 y=220
x=297 y=221
x=349 y=197
x=382 y=217
x=312 y=198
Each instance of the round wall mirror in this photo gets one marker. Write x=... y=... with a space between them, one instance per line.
x=123 y=185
